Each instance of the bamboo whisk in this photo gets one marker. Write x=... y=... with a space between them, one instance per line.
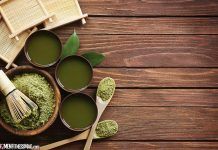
x=20 y=106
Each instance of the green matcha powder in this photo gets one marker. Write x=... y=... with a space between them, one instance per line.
x=106 y=128
x=106 y=88
x=38 y=90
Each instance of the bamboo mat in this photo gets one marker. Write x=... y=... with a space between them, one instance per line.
x=65 y=11
x=17 y=22
x=10 y=48
x=20 y=15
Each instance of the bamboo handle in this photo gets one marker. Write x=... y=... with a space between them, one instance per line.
x=6 y=86
x=57 y=144
x=101 y=107
x=91 y=134
x=79 y=137
x=80 y=11
x=6 y=60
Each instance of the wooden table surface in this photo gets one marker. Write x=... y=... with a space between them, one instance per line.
x=163 y=55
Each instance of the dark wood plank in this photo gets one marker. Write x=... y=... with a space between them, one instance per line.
x=116 y=145
x=159 y=77
x=165 y=123
x=134 y=25
x=154 y=50
x=149 y=50
x=150 y=7
x=163 y=97
x=143 y=123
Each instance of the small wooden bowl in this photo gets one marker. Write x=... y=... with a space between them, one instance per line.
x=28 y=69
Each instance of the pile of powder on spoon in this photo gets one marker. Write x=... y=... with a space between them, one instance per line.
x=106 y=88
x=106 y=128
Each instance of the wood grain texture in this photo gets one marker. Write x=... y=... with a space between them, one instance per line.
x=162 y=123
x=149 y=51
x=159 y=77
x=163 y=97
x=151 y=123
x=150 y=7
x=116 y=145
x=163 y=55
x=156 y=77
x=153 y=25
x=154 y=50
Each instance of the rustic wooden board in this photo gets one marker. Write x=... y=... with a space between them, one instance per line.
x=154 y=50
x=150 y=50
x=166 y=69
x=163 y=97
x=146 y=145
x=150 y=7
x=159 y=77
x=157 y=123
x=151 y=25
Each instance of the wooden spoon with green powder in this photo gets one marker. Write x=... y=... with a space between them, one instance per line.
x=105 y=92
x=105 y=129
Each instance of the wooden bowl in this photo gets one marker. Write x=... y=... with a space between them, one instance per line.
x=28 y=69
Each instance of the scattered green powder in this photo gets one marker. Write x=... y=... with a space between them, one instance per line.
x=38 y=90
x=106 y=128
x=106 y=88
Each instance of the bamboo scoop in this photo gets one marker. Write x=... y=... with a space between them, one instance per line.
x=105 y=93
x=84 y=135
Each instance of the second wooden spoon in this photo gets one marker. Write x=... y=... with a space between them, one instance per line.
x=101 y=104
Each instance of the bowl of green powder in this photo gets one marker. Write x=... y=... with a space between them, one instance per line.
x=41 y=88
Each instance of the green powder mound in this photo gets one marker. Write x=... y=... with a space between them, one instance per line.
x=106 y=88
x=106 y=128
x=38 y=90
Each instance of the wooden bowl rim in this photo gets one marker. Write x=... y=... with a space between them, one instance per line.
x=49 y=78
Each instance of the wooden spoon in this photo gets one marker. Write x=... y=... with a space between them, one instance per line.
x=101 y=107
x=83 y=136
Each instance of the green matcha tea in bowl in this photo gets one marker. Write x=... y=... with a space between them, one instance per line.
x=43 y=48
x=78 y=111
x=74 y=73
x=41 y=88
